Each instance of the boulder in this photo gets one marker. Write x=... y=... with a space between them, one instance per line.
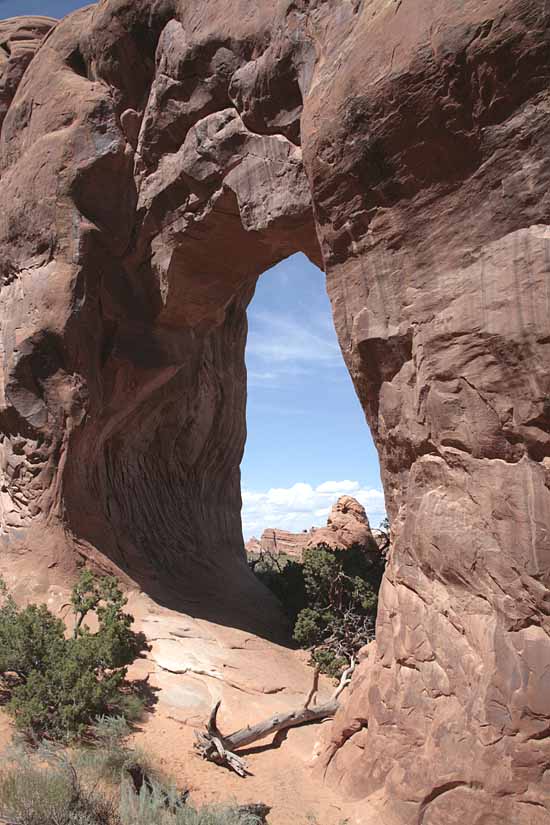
x=347 y=526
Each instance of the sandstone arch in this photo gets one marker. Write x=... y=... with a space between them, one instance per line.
x=152 y=165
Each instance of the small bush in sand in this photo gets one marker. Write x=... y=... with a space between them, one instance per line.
x=106 y=756
x=51 y=786
x=58 y=685
x=47 y=790
x=158 y=805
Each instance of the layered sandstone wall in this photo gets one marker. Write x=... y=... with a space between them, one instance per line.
x=126 y=272
x=159 y=155
x=431 y=189
x=279 y=543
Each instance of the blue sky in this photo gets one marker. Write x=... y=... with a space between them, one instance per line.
x=308 y=441
x=46 y=8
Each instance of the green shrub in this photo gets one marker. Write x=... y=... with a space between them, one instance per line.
x=110 y=732
x=106 y=754
x=342 y=593
x=58 y=685
x=331 y=599
x=285 y=578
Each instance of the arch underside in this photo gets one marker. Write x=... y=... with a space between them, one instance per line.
x=156 y=158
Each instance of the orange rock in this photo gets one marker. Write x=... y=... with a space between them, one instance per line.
x=155 y=158
x=347 y=525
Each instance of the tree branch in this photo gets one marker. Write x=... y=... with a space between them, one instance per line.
x=344 y=680
x=217 y=748
x=314 y=687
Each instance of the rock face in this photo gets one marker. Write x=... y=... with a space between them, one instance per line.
x=279 y=542
x=347 y=525
x=20 y=37
x=156 y=157
x=253 y=545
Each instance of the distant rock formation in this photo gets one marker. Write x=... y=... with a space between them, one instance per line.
x=347 y=525
x=279 y=543
x=253 y=546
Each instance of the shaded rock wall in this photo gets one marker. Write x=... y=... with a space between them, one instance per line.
x=155 y=159
x=128 y=266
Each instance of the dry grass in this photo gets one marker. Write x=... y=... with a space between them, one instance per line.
x=93 y=786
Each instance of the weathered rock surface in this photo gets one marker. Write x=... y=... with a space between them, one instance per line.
x=279 y=542
x=20 y=37
x=347 y=525
x=159 y=155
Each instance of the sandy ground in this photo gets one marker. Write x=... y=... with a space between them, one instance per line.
x=281 y=777
x=194 y=663
x=5 y=732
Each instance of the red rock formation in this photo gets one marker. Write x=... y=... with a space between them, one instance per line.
x=347 y=525
x=156 y=158
x=253 y=546
x=280 y=542
x=20 y=37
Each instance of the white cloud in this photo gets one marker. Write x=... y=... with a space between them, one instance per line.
x=288 y=346
x=255 y=376
x=338 y=487
x=322 y=513
x=302 y=506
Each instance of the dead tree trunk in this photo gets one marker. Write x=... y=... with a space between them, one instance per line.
x=216 y=747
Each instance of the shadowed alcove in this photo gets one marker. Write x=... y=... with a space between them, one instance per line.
x=307 y=443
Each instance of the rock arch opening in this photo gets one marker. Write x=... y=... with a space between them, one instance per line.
x=307 y=441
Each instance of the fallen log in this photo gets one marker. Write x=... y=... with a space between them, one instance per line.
x=220 y=749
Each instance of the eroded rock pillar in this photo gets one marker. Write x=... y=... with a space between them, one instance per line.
x=437 y=248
